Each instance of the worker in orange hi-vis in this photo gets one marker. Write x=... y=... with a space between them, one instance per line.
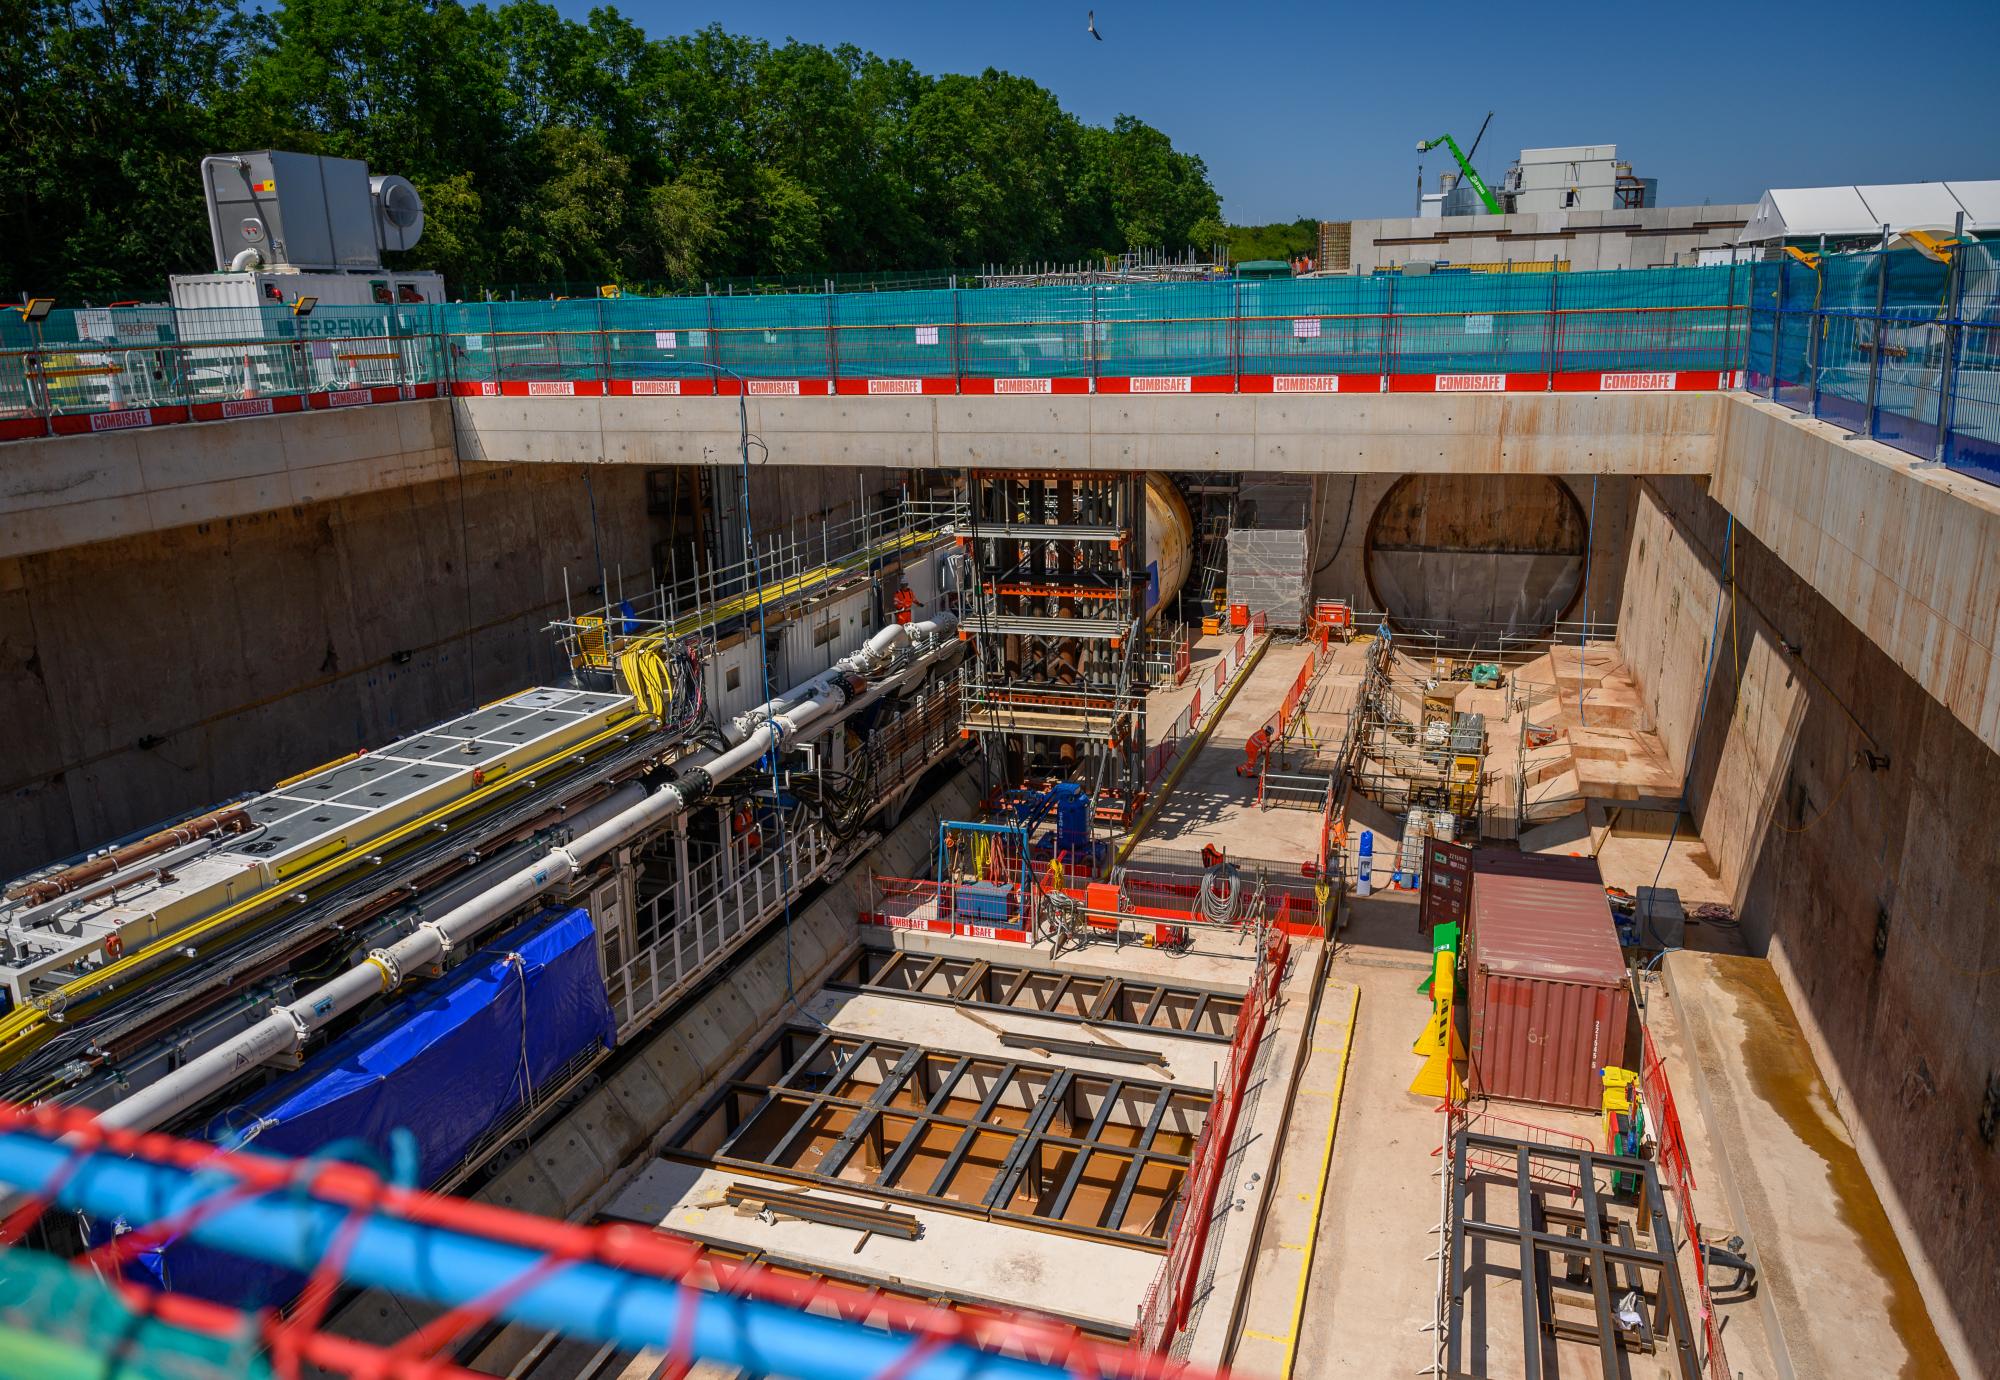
x=905 y=602
x=1254 y=749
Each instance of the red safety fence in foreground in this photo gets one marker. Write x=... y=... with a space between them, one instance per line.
x=1677 y=1178
x=1170 y=1298
x=355 y=1195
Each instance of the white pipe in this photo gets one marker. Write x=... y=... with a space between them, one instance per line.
x=864 y=662
x=288 y=1027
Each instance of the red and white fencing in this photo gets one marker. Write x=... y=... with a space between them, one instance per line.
x=1170 y=742
x=1656 y=1095
x=1170 y=1297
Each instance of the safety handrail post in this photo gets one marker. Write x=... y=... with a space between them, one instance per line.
x=1881 y=298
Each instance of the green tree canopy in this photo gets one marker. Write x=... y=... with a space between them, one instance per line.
x=553 y=149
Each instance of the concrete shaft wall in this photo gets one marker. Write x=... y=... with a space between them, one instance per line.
x=1382 y=433
x=72 y=490
x=163 y=671
x=1872 y=890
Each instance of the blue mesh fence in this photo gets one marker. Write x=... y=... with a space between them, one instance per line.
x=1895 y=345
x=1480 y=323
x=1041 y=332
x=111 y=358
x=1315 y=325
x=1520 y=324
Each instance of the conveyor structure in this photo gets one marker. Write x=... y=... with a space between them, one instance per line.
x=174 y=973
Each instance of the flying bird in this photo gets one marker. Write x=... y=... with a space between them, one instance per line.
x=1090 y=23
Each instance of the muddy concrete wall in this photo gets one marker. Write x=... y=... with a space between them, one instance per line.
x=1857 y=820
x=158 y=673
x=1344 y=506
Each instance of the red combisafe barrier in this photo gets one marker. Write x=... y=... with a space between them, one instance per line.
x=1170 y=1297
x=28 y=424
x=640 y=1251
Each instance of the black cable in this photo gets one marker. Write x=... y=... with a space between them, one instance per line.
x=1339 y=545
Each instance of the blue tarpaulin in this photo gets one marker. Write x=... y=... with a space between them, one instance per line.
x=449 y=1064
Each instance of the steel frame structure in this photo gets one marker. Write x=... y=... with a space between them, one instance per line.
x=1056 y=618
x=1611 y=1259
x=1042 y=1129
x=1116 y=1003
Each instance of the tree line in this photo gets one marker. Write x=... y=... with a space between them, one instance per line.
x=549 y=149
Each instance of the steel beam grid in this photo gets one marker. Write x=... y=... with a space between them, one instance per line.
x=1028 y=1141
x=1600 y=1256
x=978 y=974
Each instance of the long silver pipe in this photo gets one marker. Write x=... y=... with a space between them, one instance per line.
x=286 y=1028
x=881 y=645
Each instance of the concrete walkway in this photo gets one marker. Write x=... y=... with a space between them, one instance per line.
x=1288 y=1243
x=1834 y=1284
x=1210 y=803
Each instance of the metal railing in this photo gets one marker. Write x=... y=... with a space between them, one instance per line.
x=1897 y=345
x=116 y=367
x=1169 y=1301
x=1637 y=330
x=794 y=562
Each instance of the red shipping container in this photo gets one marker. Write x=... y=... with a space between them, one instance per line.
x=1549 y=998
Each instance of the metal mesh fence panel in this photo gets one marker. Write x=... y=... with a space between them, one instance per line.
x=774 y=337
x=1472 y=323
x=1165 y=328
x=1025 y=332
x=1972 y=438
x=1661 y=319
x=895 y=335
x=657 y=338
x=1314 y=325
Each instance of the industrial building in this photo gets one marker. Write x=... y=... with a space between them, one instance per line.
x=1370 y=825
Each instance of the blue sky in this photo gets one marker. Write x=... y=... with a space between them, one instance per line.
x=1316 y=109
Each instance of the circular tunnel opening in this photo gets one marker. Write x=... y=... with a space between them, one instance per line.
x=1479 y=553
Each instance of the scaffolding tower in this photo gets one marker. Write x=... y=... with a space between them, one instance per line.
x=1054 y=614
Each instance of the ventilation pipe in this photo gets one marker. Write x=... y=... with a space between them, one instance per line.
x=287 y=1028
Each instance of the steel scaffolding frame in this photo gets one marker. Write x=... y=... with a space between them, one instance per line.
x=1055 y=616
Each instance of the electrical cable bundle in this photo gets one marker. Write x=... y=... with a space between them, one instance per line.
x=1221 y=886
x=664 y=677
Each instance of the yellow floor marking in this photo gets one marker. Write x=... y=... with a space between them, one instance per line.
x=1319 y=1194
x=1284 y=1341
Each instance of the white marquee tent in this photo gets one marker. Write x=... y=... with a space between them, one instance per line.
x=1806 y=213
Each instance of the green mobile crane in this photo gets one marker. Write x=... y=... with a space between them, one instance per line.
x=1493 y=205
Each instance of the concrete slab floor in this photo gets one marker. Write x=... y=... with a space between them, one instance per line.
x=1188 y=1063
x=1016 y=1266
x=1370 y=1291
x=1211 y=804
x=1268 y=1324
x=1834 y=1283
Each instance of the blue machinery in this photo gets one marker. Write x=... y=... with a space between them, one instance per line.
x=982 y=874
